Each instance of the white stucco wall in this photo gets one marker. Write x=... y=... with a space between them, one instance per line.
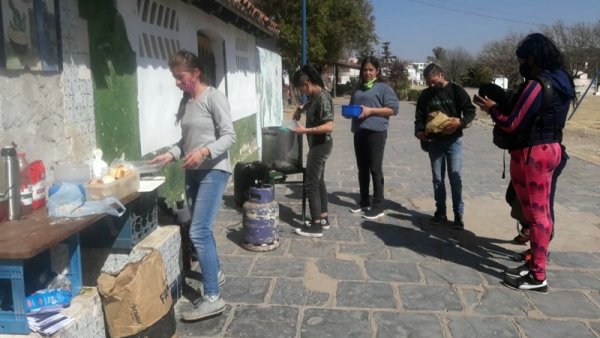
x=158 y=98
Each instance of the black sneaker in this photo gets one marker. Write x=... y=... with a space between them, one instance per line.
x=438 y=218
x=458 y=222
x=324 y=223
x=373 y=213
x=519 y=271
x=358 y=208
x=314 y=230
x=526 y=283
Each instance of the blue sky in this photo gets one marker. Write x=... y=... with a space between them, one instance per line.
x=415 y=27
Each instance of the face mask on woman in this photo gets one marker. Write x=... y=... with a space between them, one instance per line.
x=525 y=69
x=189 y=86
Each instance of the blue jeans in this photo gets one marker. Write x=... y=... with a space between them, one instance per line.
x=204 y=191
x=447 y=152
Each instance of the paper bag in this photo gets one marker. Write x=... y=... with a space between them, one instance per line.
x=436 y=121
x=137 y=297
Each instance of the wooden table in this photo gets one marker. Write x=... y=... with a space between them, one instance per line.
x=29 y=237
x=37 y=232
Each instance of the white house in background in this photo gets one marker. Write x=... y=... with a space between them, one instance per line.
x=415 y=72
x=346 y=73
x=501 y=81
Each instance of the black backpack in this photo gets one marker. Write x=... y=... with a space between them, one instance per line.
x=513 y=140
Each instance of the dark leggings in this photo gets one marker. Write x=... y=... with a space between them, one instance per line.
x=369 y=147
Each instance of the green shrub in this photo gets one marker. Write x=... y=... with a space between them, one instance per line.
x=407 y=94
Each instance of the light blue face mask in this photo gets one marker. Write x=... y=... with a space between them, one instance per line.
x=369 y=85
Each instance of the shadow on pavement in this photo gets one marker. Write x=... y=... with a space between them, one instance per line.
x=461 y=247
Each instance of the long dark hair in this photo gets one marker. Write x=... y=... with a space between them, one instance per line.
x=373 y=61
x=543 y=50
x=307 y=73
x=189 y=61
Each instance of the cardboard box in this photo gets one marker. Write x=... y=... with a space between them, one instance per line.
x=119 y=188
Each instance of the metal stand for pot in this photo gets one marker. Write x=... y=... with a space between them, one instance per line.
x=276 y=177
x=279 y=177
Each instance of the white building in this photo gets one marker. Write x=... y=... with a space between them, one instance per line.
x=415 y=72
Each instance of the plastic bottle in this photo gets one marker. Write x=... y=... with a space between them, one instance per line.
x=38 y=183
x=26 y=188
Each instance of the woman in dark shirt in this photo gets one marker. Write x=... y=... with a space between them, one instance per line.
x=319 y=125
x=536 y=121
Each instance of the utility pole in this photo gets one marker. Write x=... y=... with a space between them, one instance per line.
x=304 y=42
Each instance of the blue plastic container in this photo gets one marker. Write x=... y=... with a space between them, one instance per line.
x=350 y=111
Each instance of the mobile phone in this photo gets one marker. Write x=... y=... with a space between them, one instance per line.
x=477 y=98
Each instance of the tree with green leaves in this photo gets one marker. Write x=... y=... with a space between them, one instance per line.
x=439 y=55
x=335 y=29
x=477 y=75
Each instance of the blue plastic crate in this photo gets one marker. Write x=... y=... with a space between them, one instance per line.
x=138 y=221
x=13 y=316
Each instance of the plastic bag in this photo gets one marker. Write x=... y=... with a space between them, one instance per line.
x=69 y=201
x=436 y=122
x=56 y=295
x=99 y=167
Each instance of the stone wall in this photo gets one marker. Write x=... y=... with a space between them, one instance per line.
x=49 y=114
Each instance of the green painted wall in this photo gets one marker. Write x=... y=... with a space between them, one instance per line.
x=244 y=150
x=113 y=66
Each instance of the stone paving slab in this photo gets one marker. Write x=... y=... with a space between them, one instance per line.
x=399 y=276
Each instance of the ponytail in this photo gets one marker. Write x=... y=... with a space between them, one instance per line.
x=308 y=73
x=181 y=110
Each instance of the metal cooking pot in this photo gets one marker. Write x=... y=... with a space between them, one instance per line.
x=281 y=150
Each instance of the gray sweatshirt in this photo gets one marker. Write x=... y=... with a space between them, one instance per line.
x=207 y=123
x=381 y=95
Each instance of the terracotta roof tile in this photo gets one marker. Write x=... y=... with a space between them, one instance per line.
x=248 y=8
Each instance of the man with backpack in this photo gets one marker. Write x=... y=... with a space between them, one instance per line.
x=444 y=141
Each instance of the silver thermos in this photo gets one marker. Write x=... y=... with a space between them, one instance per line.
x=10 y=181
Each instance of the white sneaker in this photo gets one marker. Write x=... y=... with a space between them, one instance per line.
x=208 y=307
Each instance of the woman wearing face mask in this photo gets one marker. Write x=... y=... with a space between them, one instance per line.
x=536 y=121
x=378 y=102
x=207 y=134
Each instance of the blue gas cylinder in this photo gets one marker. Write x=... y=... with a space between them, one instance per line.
x=260 y=219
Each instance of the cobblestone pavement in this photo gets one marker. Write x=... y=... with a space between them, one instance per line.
x=400 y=276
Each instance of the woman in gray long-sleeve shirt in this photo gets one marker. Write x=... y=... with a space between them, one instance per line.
x=206 y=135
x=378 y=102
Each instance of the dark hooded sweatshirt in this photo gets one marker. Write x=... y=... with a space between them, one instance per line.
x=524 y=115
